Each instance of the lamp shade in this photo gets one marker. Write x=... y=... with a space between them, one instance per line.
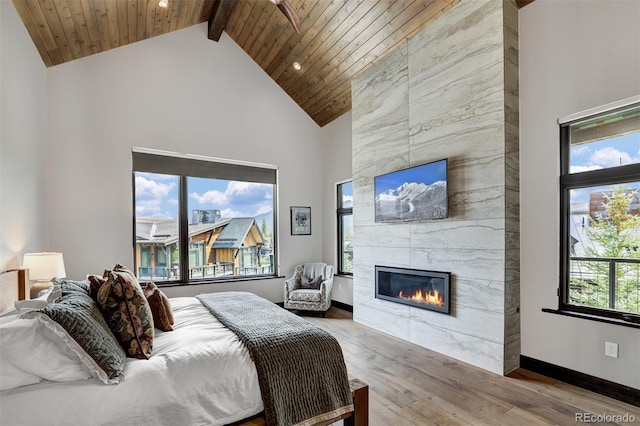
x=44 y=266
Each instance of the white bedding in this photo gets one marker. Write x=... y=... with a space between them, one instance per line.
x=198 y=374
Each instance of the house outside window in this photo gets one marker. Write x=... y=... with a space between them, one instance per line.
x=200 y=219
x=600 y=213
x=345 y=227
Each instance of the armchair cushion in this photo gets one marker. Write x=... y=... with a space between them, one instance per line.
x=305 y=295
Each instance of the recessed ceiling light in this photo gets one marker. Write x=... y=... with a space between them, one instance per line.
x=163 y=3
x=297 y=66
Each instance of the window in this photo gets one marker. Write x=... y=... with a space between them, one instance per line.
x=345 y=228
x=600 y=213
x=199 y=219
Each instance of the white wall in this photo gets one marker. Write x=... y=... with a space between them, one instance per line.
x=178 y=92
x=573 y=56
x=336 y=165
x=23 y=147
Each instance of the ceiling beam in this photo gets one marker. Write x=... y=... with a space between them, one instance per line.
x=220 y=13
x=523 y=3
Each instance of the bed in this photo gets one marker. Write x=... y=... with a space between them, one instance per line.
x=201 y=373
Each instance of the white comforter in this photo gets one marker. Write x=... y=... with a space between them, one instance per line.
x=198 y=374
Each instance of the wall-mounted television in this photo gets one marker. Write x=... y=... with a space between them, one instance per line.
x=416 y=193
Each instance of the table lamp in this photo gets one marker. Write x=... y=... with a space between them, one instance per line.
x=43 y=267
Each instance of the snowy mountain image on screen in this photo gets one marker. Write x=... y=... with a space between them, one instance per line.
x=412 y=201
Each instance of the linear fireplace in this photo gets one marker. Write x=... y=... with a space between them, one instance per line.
x=414 y=287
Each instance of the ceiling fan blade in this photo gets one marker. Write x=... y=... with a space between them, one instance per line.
x=289 y=12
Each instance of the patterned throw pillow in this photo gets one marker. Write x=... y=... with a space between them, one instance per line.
x=127 y=312
x=95 y=282
x=160 y=307
x=308 y=283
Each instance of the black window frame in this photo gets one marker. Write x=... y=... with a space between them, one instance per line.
x=341 y=212
x=570 y=181
x=186 y=166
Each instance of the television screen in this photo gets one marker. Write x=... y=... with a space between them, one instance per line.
x=416 y=193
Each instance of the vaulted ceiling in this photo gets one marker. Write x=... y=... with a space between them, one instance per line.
x=338 y=38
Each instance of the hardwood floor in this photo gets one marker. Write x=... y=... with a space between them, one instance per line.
x=411 y=385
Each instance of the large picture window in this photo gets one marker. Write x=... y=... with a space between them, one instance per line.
x=600 y=213
x=345 y=228
x=198 y=219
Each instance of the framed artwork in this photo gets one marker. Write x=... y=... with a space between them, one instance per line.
x=300 y=220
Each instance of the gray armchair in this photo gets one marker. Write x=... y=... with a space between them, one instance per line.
x=310 y=288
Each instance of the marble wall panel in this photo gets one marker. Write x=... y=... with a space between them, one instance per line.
x=364 y=290
x=481 y=234
x=454 y=142
x=470 y=174
x=476 y=293
x=511 y=356
x=386 y=256
x=512 y=268
x=473 y=101
x=376 y=83
x=366 y=212
x=391 y=235
x=480 y=203
x=474 y=28
x=459 y=345
x=511 y=53
x=449 y=92
x=479 y=323
x=465 y=263
x=512 y=208
x=512 y=170
x=386 y=151
x=512 y=133
x=372 y=315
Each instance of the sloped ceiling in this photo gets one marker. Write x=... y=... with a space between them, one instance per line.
x=338 y=38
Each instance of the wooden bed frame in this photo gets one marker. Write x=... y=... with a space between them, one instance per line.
x=14 y=285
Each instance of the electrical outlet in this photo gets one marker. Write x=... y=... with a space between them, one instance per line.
x=611 y=349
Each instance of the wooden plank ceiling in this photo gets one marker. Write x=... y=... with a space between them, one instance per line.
x=338 y=38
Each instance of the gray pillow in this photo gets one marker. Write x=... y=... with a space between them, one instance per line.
x=308 y=283
x=76 y=319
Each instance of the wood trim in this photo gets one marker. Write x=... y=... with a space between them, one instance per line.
x=14 y=285
x=359 y=417
x=594 y=384
x=23 y=284
x=342 y=306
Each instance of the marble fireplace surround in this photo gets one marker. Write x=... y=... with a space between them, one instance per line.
x=450 y=92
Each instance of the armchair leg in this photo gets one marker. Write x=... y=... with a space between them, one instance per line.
x=324 y=314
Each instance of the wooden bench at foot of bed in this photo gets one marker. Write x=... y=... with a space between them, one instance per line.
x=359 y=416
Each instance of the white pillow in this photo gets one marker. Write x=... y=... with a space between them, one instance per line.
x=29 y=353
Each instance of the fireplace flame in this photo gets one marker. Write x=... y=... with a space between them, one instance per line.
x=431 y=297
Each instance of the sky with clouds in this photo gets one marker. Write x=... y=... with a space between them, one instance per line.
x=157 y=195
x=619 y=151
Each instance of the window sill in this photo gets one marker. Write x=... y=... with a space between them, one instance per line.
x=591 y=317
x=344 y=275
x=218 y=281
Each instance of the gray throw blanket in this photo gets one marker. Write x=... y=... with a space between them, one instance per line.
x=301 y=370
